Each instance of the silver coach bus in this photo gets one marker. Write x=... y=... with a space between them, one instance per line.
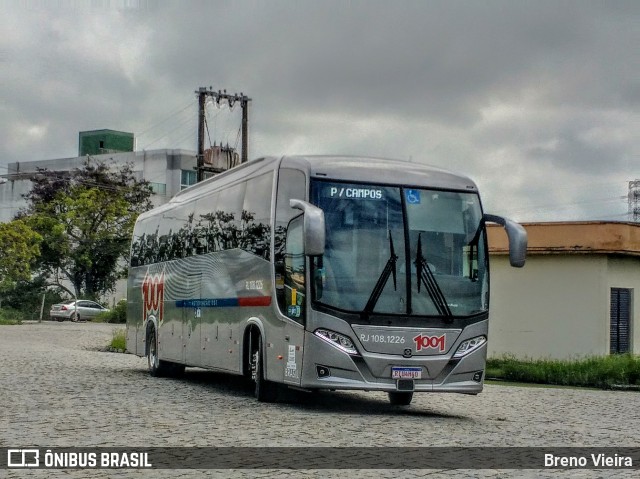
x=319 y=273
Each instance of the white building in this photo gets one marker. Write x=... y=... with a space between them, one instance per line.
x=168 y=171
x=575 y=295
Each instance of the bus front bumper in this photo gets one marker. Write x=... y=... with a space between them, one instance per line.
x=327 y=367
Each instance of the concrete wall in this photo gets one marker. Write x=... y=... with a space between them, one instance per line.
x=556 y=306
x=11 y=200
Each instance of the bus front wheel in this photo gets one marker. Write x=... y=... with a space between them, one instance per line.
x=265 y=391
x=400 y=398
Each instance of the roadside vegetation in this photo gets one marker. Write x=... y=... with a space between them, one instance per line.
x=118 y=342
x=72 y=238
x=118 y=314
x=599 y=372
x=10 y=316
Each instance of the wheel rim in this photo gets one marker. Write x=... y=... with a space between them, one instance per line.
x=255 y=363
x=152 y=352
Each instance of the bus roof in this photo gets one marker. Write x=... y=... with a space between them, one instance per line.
x=379 y=170
x=339 y=168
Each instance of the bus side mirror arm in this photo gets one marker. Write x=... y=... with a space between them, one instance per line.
x=517 y=239
x=313 y=227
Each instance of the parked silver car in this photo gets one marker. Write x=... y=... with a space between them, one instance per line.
x=76 y=310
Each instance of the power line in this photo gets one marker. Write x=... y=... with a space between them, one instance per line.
x=179 y=126
x=171 y=115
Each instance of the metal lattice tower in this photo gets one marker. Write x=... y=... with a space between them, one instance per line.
x=634 y=201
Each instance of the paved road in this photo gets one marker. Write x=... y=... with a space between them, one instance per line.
x=58 y=389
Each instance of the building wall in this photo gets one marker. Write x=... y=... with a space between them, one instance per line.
x=98 y=142
x=11 y=198
x=557 y=306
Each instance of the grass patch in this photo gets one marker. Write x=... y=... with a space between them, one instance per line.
x=599 y=372
x=9 y=322
x=118 y=341
x=10 y=317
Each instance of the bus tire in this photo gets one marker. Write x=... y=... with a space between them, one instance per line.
x=157 y=368
x=400 y=398
x=265 y=391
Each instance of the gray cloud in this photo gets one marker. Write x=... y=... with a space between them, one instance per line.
x=536 y=100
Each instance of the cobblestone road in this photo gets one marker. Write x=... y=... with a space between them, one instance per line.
x=58 y=389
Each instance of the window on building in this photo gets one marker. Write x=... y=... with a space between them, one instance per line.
x=159 y=188
x=620 y=313
x=188 y=178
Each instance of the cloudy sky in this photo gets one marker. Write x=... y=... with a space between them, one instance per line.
x=537 y=101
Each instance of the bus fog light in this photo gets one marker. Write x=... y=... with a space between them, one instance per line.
x=338 y=340
x=469 y=345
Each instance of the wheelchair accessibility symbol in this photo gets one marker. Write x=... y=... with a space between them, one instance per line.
x=412 y=197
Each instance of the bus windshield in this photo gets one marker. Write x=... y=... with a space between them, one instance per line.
x=401 y=251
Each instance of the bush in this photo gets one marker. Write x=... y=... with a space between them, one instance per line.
x=116 y=315
x=10 y=316
x=600 y=372
x=26 y=297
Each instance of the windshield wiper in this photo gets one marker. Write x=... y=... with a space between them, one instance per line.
x=389 y=270
x=425 y=276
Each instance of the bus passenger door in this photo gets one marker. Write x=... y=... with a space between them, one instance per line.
x=290 y=278
x=293 y=301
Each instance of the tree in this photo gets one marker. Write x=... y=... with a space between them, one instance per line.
x=19 y=247
x=86 y=219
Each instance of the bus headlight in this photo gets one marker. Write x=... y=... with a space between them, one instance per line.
x=338 y=340
x=469 y=345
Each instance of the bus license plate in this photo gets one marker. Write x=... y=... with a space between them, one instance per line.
x=406 y=373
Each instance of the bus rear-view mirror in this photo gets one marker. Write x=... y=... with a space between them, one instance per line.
x=313 y=227
x=517 y=239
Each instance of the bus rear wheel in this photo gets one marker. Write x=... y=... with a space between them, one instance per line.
x=400 y=398
x=153 y=361
x=265 y=391
x=157 y=367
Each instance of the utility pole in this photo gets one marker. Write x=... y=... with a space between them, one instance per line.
x=220 y=96
x=202 y=99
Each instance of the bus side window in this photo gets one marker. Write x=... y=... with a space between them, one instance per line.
x=294 y=271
